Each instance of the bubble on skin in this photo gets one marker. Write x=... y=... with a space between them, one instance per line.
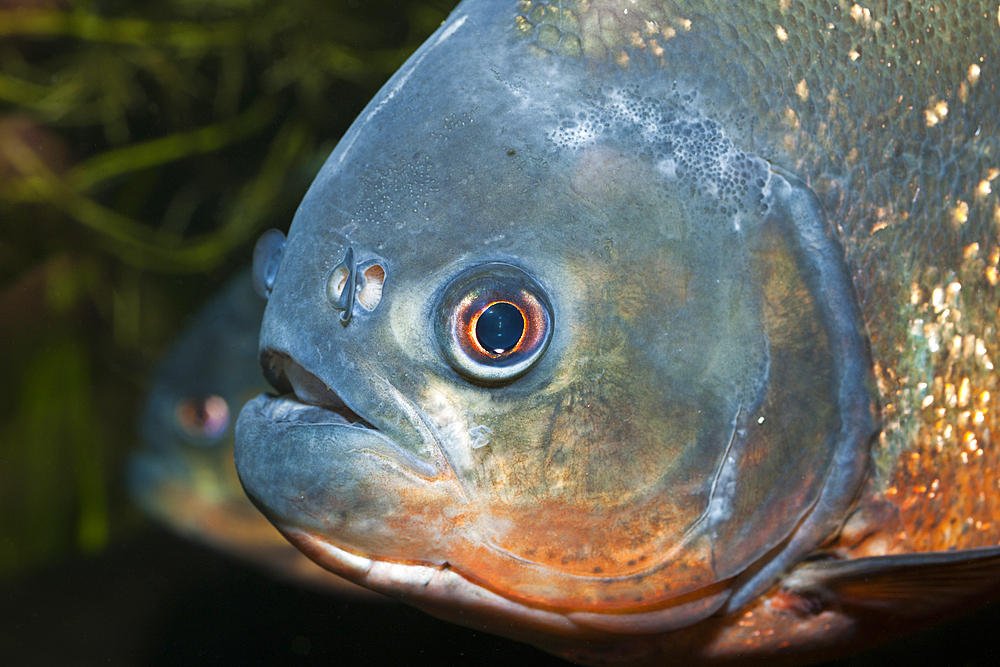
x=685 y=146
x=690 y=151
x=480 y=436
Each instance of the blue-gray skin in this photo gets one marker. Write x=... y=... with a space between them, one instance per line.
x=185 y=476
x=588 y=327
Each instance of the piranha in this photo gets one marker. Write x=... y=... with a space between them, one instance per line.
x=185 y=476
x=652 y=331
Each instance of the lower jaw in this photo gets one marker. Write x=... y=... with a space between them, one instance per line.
x=440 y=591
x=444 y=592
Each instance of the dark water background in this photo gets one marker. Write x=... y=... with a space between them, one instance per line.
x=143 y=148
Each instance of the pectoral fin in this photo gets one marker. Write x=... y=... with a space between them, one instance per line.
x=914 y=584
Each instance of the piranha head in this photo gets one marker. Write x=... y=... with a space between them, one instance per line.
x=555 y=357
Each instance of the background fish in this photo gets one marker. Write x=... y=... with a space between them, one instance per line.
x=671 y=333
x=185 y=476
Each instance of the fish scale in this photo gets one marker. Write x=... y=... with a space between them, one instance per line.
x=889 y=112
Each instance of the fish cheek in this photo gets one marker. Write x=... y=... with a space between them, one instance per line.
x=699 y=418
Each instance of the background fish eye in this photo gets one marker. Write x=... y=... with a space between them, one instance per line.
x=203 y=417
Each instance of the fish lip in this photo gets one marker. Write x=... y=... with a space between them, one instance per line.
x=290 y=409
x=267 y=421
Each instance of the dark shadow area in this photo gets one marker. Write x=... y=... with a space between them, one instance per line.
x=158 y=600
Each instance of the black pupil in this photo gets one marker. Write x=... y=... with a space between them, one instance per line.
x=499 y=327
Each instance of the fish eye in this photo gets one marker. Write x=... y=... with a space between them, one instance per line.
x=493 y=322
x=203 y=417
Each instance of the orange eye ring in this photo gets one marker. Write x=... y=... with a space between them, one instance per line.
x=493 y=323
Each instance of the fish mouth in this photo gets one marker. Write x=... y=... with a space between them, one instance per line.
x=290 y=409
x=304 y=398
x=310 y=462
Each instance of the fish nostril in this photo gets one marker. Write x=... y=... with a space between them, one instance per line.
x=350 y=282
x=341 y=287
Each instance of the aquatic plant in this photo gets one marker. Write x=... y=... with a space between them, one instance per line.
x=143 y=147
